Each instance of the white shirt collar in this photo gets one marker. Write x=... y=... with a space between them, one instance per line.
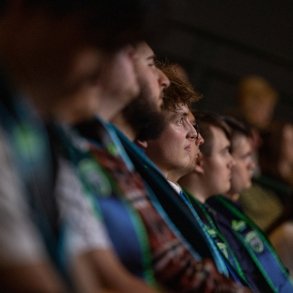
x=175 y=186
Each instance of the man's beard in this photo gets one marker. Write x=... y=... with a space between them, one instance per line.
x=145 y=118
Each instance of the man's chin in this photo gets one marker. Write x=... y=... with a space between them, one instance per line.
x=160 y=104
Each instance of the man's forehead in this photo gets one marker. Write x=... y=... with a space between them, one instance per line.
x=182 y=109
x=219 y=135
x=178 y=112
x=191 y=116
x=241 y=141
x=144 y=50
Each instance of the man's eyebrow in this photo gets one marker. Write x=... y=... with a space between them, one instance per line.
x=227 y=147
x=181 y=112
x=151 y=57
x=176 y=114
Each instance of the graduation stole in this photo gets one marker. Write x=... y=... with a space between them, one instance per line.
x=210 y=226
x=33 y=156
x=189 y=226
x=105 y=178
x=256 y=244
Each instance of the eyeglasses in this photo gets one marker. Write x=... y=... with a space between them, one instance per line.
x=196 y=127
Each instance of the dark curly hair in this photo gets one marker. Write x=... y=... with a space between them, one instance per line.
x=180 y=90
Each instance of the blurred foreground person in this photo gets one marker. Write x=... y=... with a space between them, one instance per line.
x=48 y=51
x=257 y=100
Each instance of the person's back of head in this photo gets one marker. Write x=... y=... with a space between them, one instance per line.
x=276 y=150
x=256 y=100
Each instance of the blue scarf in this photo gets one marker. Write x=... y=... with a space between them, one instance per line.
x=183 y=218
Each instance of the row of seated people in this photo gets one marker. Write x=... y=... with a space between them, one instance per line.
x=269 y=201
x=107 y=172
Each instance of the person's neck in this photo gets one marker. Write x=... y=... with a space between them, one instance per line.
x=107 y=109
x=199 y=194
x=122 y=125
x=175 y=186
x=195 y=188
x=173 y=176
x=169 y=173
x=234 y=196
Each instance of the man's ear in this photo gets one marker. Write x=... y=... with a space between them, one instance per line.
x=199 y=164
x=142 y=143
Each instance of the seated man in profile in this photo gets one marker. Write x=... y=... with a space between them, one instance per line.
x=225 y=158
x=164 y=196
x=175 y=152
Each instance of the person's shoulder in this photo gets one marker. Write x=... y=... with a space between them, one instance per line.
x=7 y=157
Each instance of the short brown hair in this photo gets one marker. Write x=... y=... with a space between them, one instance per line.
x=180 y=90
x=237 y=128
x=206 y=121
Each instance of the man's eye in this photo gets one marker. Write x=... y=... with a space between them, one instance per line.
x=247 y=157
x=227 y=151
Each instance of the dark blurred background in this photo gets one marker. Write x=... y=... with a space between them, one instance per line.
x=219 y=42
